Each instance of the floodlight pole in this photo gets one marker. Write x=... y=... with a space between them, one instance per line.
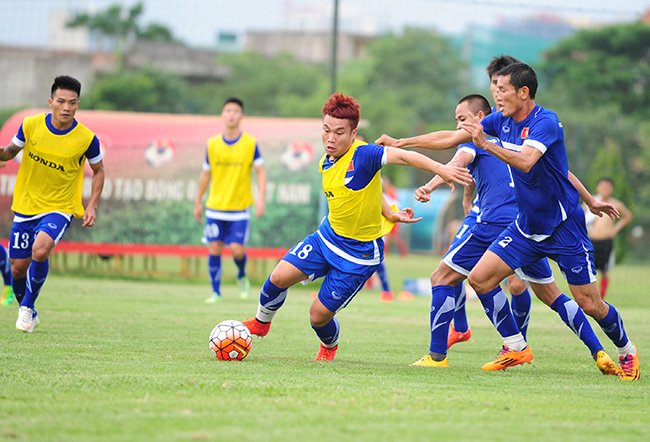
x=335 y=43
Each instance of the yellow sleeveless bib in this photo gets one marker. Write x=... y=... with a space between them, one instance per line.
x=353 y=214
x=231 y=166
x=50 y=177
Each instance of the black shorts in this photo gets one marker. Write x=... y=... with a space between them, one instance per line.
x=603 y=249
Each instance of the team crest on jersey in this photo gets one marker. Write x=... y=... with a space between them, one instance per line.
x=351 y=166
x=524 y=133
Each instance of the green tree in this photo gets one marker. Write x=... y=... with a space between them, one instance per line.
x=409 y=82
x=116 y=26
x=274 y=86
x=598 y=82
x=145 y=90
x=608 y=65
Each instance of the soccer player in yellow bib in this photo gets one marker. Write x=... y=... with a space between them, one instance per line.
x=227 y=170
x=347 y=247
x=48 y=190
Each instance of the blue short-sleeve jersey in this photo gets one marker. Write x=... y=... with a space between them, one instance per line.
x=545 y=195
x=494 y=185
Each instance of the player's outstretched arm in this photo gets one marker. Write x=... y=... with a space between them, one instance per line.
x=422 y=193
x=595 y=206
x=90 y=214
x=523 y=160
x=406 y=215
x=439 y=140
x=9 y=152
x=204 y=180
x=449 y=174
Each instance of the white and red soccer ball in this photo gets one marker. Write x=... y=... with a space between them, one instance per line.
x=230 y=341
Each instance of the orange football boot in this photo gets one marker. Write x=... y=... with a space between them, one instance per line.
x=256 y=327
x=509 y=358
x=630 y=367
x=326 y=354
x=455 y=337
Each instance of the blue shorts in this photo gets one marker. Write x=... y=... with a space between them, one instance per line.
x=569 y=246
x=343 y=278
x=23 y=234
x=467 y=250
x=468 y=223
x=226 y=231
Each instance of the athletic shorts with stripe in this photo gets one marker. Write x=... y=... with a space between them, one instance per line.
x=23 y=233
x=466 y=251
x=569 y=246
x=343 y=277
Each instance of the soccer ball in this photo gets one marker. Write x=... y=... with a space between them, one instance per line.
x=230 y=341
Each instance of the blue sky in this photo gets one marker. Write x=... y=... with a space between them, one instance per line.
x=198 y=21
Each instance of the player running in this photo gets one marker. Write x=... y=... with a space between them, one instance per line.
x=495 y=187
x=521 y=300
x=347 y=247
x=227 y=169
x=550 y=222
x=48 y=190
x=602 y=232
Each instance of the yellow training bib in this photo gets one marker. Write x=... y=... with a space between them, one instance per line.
x=353 y=214
x=50 y=177
x=231 y=188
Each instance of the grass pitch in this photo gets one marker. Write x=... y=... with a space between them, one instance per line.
x=129 y=361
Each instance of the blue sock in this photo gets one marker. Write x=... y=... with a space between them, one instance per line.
x=19 y=285
x=5 y=265
x=612 y=325
x=329 y=333
x=214 y=269
x=36 y=276
x=496 y=306
x=383 y=277
x=271 y=299
x=460 y=315
x=521 y=305
x=443 y=305
x=575 y=319
x=241 y=266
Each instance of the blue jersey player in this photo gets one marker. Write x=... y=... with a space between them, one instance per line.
x=550 y=222
x=495 y=187
x=521 y=299
x=347 y=247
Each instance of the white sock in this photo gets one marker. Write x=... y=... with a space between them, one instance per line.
x=515 y=342
x=627 y=350
x=264 y=314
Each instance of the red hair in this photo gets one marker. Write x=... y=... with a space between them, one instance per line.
x=343 y=107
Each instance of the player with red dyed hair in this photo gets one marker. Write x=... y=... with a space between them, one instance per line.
x=347 y=248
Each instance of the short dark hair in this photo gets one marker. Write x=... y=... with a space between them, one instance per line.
x=499 y=63
x=521 y=75
x=235 y=100
x=477 y=102
x=67 y=83
x=606 y=179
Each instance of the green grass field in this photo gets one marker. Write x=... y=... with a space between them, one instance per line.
x=129 y=361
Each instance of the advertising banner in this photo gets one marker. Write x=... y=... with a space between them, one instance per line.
x=152 y=164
